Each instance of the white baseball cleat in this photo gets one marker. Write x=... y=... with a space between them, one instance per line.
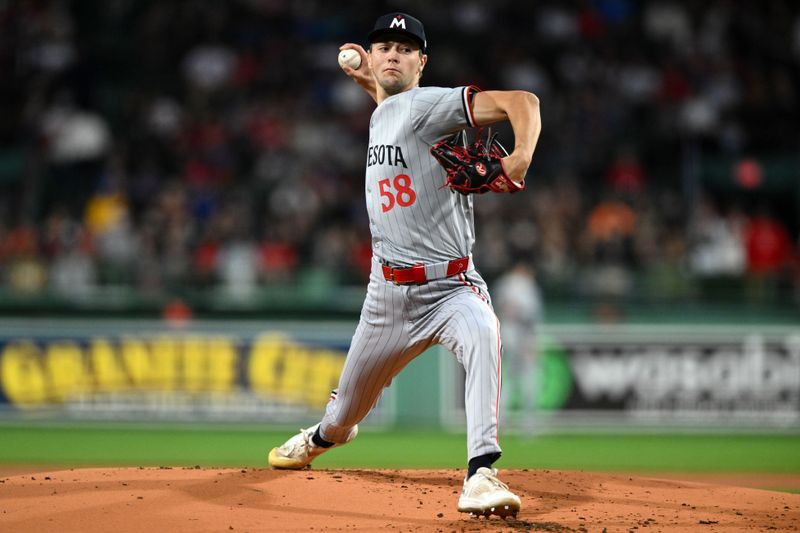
x=484 y=494
x=300 y=450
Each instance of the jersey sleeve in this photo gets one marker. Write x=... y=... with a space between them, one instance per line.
x=436 y=111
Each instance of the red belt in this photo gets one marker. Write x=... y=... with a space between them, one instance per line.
x=416 y=274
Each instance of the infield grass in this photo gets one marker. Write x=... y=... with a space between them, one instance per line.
x=239 y=446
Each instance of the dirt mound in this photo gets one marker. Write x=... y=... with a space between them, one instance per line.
x=122 y=500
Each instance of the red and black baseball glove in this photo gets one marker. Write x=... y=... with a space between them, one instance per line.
x=477 y=168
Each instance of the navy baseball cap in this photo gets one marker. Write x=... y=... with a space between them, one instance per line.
x=402 y=24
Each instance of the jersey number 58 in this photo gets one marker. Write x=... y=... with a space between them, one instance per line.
x=404 y=195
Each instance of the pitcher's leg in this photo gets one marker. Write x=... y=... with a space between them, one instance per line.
x=481 y=360
x=376 y=355
x=379 y=350
x=472 y=333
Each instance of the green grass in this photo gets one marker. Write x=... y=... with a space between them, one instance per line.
x=239 y=446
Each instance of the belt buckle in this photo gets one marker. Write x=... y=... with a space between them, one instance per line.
x=388 y=272
x=413 y=275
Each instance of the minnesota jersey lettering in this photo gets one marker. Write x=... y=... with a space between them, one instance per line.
x=385 y=154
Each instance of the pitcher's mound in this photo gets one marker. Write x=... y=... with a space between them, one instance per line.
x=122 y=500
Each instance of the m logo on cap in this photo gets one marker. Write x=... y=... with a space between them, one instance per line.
x=398 y=22
x=394 y=23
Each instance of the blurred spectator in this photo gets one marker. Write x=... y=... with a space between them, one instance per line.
x=278 y=261
x=238 y=269
x=668 y=23
x=209 y=66
x=610 y=244
x=108 y=221
x=76 y=142
x=769 y=256
x=69 y=248
x=768 y=244
x=626 y=175
x=26 y=271
x=717 y=245
x=557 y=24
x=611 y=225
x=51 y=47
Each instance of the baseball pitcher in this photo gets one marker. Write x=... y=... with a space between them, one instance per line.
x=424 y=289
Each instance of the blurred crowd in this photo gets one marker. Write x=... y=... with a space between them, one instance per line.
x=161 y=145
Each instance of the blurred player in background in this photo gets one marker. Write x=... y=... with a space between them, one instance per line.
x=518 y=303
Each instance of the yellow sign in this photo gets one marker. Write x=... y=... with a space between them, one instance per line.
x=36 y=374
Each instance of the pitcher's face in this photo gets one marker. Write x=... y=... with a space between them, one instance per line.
x=396 y=65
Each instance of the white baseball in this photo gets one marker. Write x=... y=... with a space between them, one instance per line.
x=350 y=57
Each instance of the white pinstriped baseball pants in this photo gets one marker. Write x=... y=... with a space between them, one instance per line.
x=397 y=324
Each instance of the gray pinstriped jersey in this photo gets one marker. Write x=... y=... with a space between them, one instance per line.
x=412 y=218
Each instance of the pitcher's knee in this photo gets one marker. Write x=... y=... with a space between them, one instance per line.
x=486 y=332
